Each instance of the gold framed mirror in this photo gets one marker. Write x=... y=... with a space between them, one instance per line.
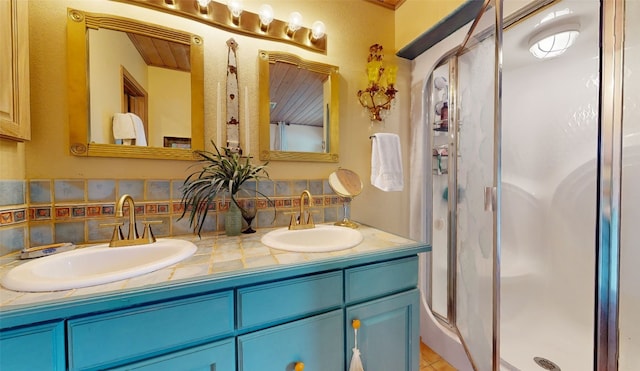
x=299 y=116
x=104 y=88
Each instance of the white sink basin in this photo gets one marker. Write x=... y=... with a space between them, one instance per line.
x=95 y=265
x=322 y=238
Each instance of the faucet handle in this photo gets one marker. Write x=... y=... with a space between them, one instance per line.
x=147 y=234
x=117 y=234
x=294 y=220
x=310 y=220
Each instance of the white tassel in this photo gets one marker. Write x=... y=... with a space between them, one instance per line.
x=356 y=362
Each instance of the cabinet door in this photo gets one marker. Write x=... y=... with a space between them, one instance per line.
x=33 y=348
x=218 y=356
x=14 y=70
x=388 y=338
x=317 y=342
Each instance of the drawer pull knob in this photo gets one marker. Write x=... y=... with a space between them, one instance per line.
x=299 y=366
x=355 y=323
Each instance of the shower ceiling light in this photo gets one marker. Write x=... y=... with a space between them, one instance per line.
x=553 y=41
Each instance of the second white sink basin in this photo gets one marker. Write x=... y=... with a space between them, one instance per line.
x=95 y=265
x=322 y=238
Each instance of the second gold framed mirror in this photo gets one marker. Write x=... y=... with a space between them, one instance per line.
x=299 y=116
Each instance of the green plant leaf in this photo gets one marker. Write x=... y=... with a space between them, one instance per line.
x=217 y=173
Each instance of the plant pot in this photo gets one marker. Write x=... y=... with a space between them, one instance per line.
x=233 y=220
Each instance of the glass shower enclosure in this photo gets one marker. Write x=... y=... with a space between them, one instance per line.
x=533 y=263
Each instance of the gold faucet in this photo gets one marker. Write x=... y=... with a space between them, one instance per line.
x=117 y=239
x=300 y=223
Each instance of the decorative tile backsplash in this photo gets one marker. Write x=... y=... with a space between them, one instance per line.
x=45 y=211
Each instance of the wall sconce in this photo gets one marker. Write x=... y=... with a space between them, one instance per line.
x=379 y=94
x=227 y=16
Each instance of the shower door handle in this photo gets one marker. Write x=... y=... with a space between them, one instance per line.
x=489 y=198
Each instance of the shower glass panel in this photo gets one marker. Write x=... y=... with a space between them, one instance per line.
x=440 y=174
x=549 y=177
x=476 y=164
x=629 y=335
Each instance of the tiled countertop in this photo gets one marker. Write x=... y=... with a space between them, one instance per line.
x=217 y=257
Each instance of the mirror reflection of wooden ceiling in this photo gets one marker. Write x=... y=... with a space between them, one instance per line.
x=161 y=53
x=296 y=95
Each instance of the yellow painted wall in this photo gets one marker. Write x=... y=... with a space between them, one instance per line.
x=47 y=155
x=414 y=17
x=164 y=111
x=12 y=160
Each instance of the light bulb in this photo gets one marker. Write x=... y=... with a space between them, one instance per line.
x=553 y=41
x=317 y=30
x=295 y=21
x=266 y=14
x=235 y=7
x=203 y=3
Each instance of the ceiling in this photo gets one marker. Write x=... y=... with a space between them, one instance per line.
x=391 y=4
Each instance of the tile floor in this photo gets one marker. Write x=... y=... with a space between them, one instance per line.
x=431 y=361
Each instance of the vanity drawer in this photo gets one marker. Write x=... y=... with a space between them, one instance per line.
x=277 y=302
x=218 y=356
x=375 y=280
x=318 y=342
x=116 y=337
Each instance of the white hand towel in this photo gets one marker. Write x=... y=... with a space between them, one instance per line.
x=123 y=126
x=141 y=138
x=386 y=162
x=128 y=126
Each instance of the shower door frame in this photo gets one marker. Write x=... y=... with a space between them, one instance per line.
x=450 y=60
x=607 y=285
x=492 y=201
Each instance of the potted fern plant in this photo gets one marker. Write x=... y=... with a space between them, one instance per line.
x=220 y=173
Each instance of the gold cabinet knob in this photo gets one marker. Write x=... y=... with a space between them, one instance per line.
x=355 y=323
x=299 y=366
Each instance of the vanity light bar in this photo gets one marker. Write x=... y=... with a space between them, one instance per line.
x=218 y=15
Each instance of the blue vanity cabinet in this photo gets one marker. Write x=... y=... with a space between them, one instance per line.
x=40 y=347
x=384 y=298
x=388 y=338
x=317 y=342
x=259 y=320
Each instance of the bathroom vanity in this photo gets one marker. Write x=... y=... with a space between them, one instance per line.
x=235 y=305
